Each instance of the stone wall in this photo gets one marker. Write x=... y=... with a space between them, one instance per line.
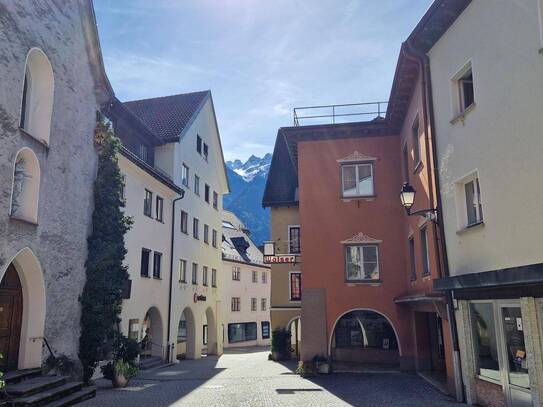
x=68 y=164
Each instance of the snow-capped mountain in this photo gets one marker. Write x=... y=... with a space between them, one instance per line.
x=253 y=167
x=247 y=182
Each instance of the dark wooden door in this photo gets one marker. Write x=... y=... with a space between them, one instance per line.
x=11 y=312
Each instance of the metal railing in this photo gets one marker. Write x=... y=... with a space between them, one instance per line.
x=46 y=343
x=340 y=113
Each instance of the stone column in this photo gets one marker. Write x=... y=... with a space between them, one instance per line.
x=465 y=342
x=532 y=337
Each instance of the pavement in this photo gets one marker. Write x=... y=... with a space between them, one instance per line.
x=246 y=378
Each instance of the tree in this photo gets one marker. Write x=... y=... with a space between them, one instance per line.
x=101 y=299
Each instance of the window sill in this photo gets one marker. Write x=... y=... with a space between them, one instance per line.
x=29 y=222
x=488 y=379
x=367 y=198
x=148 y=215
x=157 y=278
x=141 y=275
x=182 y=282
x=352 y=283
x=160 y=221
x=42 y=142
x=473 y=226
x=462 y=115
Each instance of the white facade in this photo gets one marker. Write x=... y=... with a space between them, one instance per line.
x=239 y=322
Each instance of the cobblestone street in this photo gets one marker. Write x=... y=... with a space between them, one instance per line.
x=246 y=378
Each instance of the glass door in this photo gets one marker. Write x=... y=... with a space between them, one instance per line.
x=515 y=366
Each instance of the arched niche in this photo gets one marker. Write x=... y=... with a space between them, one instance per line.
x=37 y=96
x=25 y=190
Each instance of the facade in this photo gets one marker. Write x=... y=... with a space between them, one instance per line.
x=175 y=179
x=487 y=91
x=49 y=96
x=245 y=288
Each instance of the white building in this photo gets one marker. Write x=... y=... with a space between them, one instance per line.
x=173 y=164
x=245 y=287
x=487 y=88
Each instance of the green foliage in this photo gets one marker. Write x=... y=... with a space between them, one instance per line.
x=128 y=370
x=280 y=342
x=124 y=353
x=106 y=275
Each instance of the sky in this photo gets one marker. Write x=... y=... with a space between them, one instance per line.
x=260 y=59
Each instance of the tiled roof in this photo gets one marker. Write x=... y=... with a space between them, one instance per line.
x=237 y=244
x=168 y=116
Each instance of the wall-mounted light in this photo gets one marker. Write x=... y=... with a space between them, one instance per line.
x=407 y=198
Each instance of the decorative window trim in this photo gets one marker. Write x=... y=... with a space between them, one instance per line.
x=360 y=238
x=356 y=164
x=356 y=157
x=290 y=286
x=290 y=227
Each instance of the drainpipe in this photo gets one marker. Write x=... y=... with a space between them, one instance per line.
x=439 y=234
x=169 y=349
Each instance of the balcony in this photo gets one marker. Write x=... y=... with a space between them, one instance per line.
x=335 y=114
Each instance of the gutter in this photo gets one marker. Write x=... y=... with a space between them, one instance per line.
x=439 y=234
x=169 y=350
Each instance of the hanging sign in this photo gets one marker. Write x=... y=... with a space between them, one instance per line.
x=281 y=258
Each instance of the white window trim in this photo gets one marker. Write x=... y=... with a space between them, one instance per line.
x=179 y=270
x=363 y=280
x=356 y=164
x=460 y=200
x=290 y=300
x=288 y=248
x=540 y=13
x=458 y=111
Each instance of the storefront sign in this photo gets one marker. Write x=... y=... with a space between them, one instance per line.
x=284 y=258
x=199 y=297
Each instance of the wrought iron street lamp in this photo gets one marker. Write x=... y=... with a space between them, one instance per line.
x=407 y=197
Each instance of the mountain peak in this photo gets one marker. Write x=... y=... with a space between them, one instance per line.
x=253 y=167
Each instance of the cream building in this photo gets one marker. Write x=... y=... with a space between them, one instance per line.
x=245 y=287
x=487 y=88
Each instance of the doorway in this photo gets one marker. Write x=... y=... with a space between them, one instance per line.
x=11 y=312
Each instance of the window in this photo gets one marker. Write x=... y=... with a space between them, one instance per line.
x=235 y=273
x=242 y=332
x=264 y=278
x=215 y=200
x=265 y=329
x=295 y=286
x=253 y=304
x=294 y=239
x=357 y=180
x=204 y=279
x=194 y=273
x=412 y=259
x=184 y=222
x=206 y=234
x=465 y=90
x=157 y=262
x=143 y=152
x=204 y=335
x=263 y=304
x=235 y=304
x=405 y=162
x=196 y=228
x=362 y=263
x=416 y=142
x=425 y=254
x=206 y=193
x=198 y=144
x=205 y=151
x=185 y=175
x=25 y=190
x=144 y=269
x=213 y=278
x=196 y=184
x=255 y=277
x=485 y=340
x=159 y=208
x=182 y=271
x=182 y=330
x=474 y=209
x=148 y=203
x=38 y=94
x=214 y=238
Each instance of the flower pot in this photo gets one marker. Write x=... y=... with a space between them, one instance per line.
x=119 y=381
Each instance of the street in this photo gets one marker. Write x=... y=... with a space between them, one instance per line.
x=245 y=377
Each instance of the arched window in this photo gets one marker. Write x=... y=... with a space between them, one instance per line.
x=25 y=190
x=37 y=100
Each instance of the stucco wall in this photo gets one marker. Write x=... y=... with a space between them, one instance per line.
x=67 y=167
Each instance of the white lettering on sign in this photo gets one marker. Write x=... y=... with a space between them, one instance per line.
x=279 y=259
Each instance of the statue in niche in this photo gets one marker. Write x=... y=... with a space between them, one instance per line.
x=20 y=178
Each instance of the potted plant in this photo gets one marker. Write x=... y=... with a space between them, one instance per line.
x=321 y=363
x=123 y=366
x=280 y=344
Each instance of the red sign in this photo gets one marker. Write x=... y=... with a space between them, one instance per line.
x=281 y=258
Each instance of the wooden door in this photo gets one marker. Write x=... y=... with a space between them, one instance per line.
x=11 y=312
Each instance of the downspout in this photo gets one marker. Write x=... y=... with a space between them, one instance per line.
x=170 y=347
x=439 y=233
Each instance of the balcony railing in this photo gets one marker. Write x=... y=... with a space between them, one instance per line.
x=332 y=114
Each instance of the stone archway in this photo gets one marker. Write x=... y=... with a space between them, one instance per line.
x=211 y=332
x=152 y=334
x=32 y=319
x=295 y=328
x=186 y=336
x=365 y=337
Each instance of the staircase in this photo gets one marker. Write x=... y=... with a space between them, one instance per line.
x=150 y=362
x=31 y=388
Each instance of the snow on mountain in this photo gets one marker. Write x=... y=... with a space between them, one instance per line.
x=253 y=167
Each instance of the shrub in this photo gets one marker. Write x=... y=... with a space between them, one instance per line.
x=280 y=342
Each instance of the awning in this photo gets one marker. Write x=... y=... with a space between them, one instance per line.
x=420 y=298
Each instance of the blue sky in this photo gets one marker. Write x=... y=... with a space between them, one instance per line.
x=259 y=58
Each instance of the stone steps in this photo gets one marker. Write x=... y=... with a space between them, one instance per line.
x=150 y=363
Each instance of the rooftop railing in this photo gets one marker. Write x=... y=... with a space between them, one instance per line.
x=332 y=114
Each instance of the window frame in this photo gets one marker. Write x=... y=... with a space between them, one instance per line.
x=157 y=274
x=361 y=248
x=214 y=238
x=478 y=205
x=206 y=233
x=254 y=304
x=462 y=216
x=290 y=296
x=196 y=185
x=425 y=251
x=148 y=208
x=267 y=325
x=207 y=192
x=356 y=165
x=215 y=200
x=290 y=228
x=254 y=276
x=263 y=304
x=185 y=175
x=205 y=270
x=205 y=151
x=235 y=304
x=196 y=228
x=236 y=273
x=182 y=271
x=213 y=278
x=148 y=252
x=199 y=144
x=415 y=140
x=159 y=208
x=412 y=257
x=264 y=277
x=184 y=221
x=459 y=110
x=194 y=273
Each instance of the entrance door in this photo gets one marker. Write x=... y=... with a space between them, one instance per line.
x=515 y=358
x=11 y=311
